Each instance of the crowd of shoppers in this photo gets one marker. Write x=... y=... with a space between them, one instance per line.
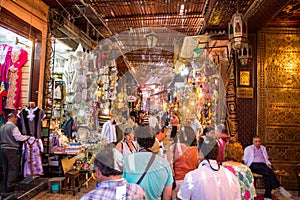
x=136 y=164
x=194 y=166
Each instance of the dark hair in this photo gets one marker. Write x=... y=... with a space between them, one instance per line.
x=145 y=136
x=163 y=128
x=146 y=142
x=207 y=130
x=256 y=136
x=105 y=170
x=225 y=131
x=106 y=159
x=187 y=136
x=209 y=147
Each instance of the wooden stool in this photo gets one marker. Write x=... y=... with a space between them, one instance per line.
x=55 y=180
x=280 y=174
x=72 y=179
x=256 y=177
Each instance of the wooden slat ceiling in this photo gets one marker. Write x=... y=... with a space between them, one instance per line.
x=130 y=20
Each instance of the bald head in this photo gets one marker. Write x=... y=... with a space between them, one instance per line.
x=11 y=118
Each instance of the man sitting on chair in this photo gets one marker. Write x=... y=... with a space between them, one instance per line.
x=257 y=159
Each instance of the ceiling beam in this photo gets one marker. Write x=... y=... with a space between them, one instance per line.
x=68 y=28
x=261 y=12
x=169 y=16
x=88 y=5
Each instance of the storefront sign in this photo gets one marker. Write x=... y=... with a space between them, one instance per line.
x=244 y=92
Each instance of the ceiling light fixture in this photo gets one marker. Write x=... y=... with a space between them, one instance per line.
x=237 y=31
x=181 y=9
x=152 y=39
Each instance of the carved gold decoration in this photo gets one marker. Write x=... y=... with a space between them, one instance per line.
x=279 y=97
x=48 y=87
x=231 y=112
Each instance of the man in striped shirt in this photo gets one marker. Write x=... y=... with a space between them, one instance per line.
x=108 y=165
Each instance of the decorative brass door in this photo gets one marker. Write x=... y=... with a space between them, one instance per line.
x=279 y=98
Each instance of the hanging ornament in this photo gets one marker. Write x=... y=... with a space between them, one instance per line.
x=237 y=31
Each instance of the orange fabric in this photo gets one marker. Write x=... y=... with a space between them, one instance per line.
x=185 y=163
x=174 y=121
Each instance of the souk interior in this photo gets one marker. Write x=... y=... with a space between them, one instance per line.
x=62 y=94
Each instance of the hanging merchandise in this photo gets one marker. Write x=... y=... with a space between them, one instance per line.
x=5 y=61
x=31 y=118
x=107 y=85
x=33 y=149
x=12 y=59
x=204 y=81
x=57 y=93
x=3 y=93
x=19 y=57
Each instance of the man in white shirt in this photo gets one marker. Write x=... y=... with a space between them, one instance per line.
x=210 y=180
x=109 y=131
x=153 y=121
x=196 y=125
x=257 y=159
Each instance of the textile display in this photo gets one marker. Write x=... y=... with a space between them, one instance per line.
x=5 y=61
x=19 y=58
x=33 y=149
x=31 y=119
x=12 y=59
x=3 y=93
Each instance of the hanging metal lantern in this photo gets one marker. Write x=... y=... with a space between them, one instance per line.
x=237 y=31
x=245 y=54
x=152 y=39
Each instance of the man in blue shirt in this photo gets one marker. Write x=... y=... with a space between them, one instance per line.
x=158 y=180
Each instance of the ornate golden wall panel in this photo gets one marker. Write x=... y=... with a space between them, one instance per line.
x=279 y=98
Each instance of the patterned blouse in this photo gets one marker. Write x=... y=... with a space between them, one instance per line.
x=245 y=177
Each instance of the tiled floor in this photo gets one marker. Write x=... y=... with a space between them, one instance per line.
x=46 y=195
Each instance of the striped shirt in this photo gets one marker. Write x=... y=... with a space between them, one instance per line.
x=109 y=132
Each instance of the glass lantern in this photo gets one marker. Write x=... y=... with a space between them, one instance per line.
x=237 y=31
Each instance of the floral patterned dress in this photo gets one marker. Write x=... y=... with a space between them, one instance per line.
x=245 y=177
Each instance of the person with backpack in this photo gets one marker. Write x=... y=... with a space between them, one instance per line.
x=147 y=169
